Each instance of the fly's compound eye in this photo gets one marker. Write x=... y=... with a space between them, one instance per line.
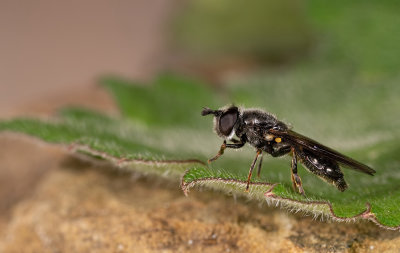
x=228 y=120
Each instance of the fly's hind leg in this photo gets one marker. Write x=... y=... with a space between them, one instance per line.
x=295 y=178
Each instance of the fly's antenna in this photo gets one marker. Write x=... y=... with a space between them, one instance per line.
x=207 y=111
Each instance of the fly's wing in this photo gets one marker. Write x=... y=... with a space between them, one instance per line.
x=306 y=143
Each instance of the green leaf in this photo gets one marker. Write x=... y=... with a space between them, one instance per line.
x=170 y=148
x=122 y=142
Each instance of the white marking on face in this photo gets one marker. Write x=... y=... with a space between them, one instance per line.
x=231 y=134
x=329 y=170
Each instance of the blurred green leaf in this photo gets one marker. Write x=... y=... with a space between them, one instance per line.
x=169 y=148
x=169 y=101
x=156 y=131
x=263 y=29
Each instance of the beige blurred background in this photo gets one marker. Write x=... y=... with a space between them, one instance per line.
x=52 y=47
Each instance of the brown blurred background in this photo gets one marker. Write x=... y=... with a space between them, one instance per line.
x=53 y=47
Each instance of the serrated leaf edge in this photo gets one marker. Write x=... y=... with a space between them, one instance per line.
x=121 y=162
x=294 y=205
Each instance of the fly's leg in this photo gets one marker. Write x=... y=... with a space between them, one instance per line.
x=223 y=147
x=295 y=178
x=276 y=151
x=251 y=169
x=260 y=165
x=220 y=152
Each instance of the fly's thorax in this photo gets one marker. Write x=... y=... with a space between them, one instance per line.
x=258 y=117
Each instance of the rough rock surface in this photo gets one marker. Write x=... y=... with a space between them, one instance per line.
x=52 y=202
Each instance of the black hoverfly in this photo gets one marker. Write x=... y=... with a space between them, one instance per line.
x=266 y=133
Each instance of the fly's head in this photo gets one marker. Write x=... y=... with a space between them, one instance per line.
x=225 y=120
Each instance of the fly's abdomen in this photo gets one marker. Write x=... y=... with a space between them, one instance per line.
x=327 y=169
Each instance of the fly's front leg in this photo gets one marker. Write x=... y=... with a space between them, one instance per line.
x=220 y=152
x=251 y=169
x=295 y=178
x=223 y=147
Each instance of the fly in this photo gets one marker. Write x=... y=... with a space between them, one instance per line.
x=267 y=134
